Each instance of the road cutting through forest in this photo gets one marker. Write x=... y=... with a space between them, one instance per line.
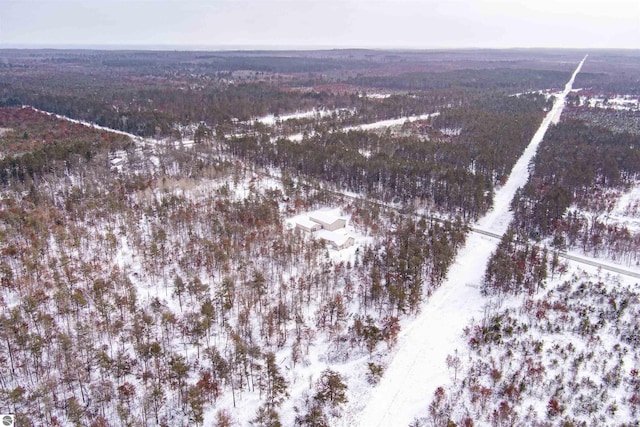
x=419 y=365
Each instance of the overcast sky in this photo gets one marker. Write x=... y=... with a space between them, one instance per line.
x=322 y=23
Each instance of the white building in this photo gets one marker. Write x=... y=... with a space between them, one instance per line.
x=336 y=240
x=307 y=225
x=328 y=227
x=328 y=221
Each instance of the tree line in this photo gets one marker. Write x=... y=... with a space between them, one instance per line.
x=455 y=174
x=582 y=166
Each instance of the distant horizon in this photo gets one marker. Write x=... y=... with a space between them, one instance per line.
x=281 y=48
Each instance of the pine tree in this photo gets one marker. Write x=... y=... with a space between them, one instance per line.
x=275 y=384
x=331 y=389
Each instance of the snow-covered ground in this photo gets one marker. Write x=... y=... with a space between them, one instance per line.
x=371 y=126
x=243 y=189
x=419 y=365
x=378 y=95
x=88 y=124
x=623 y=209
x=548 y=93
x=451 y=131
x=569 y=362
x=272 y=119
x=618 y=102
x=391 y=122
x=626 y=209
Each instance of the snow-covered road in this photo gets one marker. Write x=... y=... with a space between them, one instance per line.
x=368 y=126
x=390 y=122
x=419 y=365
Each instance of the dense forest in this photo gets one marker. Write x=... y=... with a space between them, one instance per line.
x=37 y=144
x=580 y=166
x=455 y=176
x=148 y=93
x=578 y=173
x=161 y=280
x=505 y=79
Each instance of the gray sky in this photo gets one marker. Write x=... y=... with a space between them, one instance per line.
x=322 y=23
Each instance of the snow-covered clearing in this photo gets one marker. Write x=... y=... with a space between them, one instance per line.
x=365 y=153
x=622 y=208
x=451 y=131
x=419 y=367
x=626 y=209
x=272 y=119
x=390 y=122
x=370 y=126
x=244 y=189
x=548 y=93
x=378 y=95
x=618 y=102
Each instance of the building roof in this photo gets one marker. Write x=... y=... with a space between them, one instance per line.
x=306 y=222
x=338 y=239
x=324 y=217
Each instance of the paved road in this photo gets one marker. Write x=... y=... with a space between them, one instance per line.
x=564 y=255
x=594 y=263
x=576 y=258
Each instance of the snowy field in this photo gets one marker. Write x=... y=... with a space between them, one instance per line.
x=623 y=209
x=378 y=95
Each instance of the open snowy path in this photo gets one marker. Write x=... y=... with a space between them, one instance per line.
x=419 y=365
x=368 y=126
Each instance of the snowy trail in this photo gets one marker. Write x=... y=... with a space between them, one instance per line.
x=390 y=122
x=419 y=365
x=271 y=119
x=83 y=123
x=495 y=220
x=135 y=138
x=369 y=126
